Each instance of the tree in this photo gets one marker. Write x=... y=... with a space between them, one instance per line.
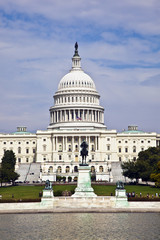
x=130 y=170
x=156 y=176
x=144 y=166
x=7 y=171
x=147 y=162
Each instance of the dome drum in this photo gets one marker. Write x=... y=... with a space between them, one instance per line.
x=77 y=115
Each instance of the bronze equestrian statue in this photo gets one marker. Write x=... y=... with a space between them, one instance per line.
x=84 y=153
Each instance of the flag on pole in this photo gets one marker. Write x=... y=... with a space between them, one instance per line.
x=78 y=118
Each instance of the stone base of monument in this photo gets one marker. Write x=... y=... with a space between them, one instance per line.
x=48 y=193
x=121 y=198
x=47 y=197
x=84 y=188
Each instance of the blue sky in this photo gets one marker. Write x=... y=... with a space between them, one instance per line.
x=119 y=43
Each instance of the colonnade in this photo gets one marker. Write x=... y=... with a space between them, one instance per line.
x=65 y=141
x=76 y=99
x=72 y=115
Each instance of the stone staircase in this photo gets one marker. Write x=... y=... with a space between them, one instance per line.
x=33 y=173
x=23 y=171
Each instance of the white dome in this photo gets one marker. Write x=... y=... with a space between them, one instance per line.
x=76 y=78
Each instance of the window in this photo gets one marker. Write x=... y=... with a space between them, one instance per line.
x=92 y=169
x=92 y=157
x=76 y=148
x=119 y=149
x=149 y=141
x=44 y=140
x=69 y=157
x=142 y=149
x=19 y=160
x=4 y=142
x=108 y=148
x=134 y=159
x=108 y=157
x=19 y=149
x=19 y=142
x=126 y=141
x=60 y=148
x=92 y=148
x=11 y=142
x=60 y=157
x=67 y=169
x=33 y=142
x=142 y=141
x=27 y=142
x=119 y=141
x=27 y=150
x=134 y=148
x=108 y=139
x=100 y=168
x=75 y=169
x=120 y=159
x=59 y=169
x=44 y=158
x=44 y=148
x=50 y=169
x=69 y=148
x=126 y=149
x=34 y=150
x=27 y=160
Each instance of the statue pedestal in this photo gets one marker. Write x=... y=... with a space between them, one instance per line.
x=84 y=188
x=48 y=193
x=121 y=198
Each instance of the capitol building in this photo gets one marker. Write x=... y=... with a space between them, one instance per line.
x=76 y=116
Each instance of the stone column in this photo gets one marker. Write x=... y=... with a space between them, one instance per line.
x=87 y=115
x=63 y=144
x=74 y=115
x=78 y=113
x=55 y=143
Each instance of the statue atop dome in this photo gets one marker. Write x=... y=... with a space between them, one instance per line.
x=76 y=50
x=76 y=46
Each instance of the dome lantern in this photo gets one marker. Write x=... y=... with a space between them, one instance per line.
x=76 y=60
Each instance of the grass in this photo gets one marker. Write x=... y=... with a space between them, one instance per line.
x=32 y=192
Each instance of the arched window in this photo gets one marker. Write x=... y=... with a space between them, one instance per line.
x=92 y=169
x=50 y=169
x=100 y=168
x=67 y=169
x=59 y=169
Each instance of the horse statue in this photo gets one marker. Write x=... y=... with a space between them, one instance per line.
x=84 y=152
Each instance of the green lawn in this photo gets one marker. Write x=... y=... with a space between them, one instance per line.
x=102 y=190
x=32 y=192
